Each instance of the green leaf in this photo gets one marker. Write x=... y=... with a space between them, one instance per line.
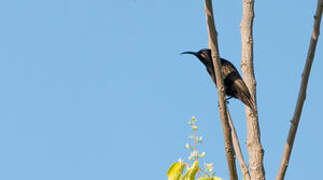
x=175 y=171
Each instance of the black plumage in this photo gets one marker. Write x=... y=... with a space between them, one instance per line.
x=233 y=83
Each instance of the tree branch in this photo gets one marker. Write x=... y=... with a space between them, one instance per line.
x=302 y=93
x=237 y=149
x=213 y=44
x=255 y=149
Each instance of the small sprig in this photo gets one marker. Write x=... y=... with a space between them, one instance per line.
x=196 y=140
x=175 y=172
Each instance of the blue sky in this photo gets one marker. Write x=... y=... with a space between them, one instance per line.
x=98 y=89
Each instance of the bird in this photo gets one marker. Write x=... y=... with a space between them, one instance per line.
x=233 y=83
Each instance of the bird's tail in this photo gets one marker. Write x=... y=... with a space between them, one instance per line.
x=250 y=102
x=245 y=96
x=252 y=105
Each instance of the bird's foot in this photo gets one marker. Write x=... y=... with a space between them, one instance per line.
x=228 y=99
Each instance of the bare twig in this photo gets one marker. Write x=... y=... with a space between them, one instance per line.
x=302 y=93
x=255 y=149
x=237 y=149
x=213 y=44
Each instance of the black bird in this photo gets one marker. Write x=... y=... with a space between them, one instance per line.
x=233 y=83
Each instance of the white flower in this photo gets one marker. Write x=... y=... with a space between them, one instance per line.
x=209 y=166
x=194 y=153
x=180 y=160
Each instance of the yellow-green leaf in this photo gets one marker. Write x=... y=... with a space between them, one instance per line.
x=216 y=178
x=205 y=178
x=209 y=178
x=175 y=171
x=191 y=172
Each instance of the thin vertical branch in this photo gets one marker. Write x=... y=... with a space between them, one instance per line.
x=237 y=149
x=255 y=149
x=213 y=44
x=302 y=93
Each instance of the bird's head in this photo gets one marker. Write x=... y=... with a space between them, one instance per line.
x=204 y=55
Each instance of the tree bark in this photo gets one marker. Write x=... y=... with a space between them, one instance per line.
x=302 y=93
x=213 y=44
x=237 y=149
x=255 y=149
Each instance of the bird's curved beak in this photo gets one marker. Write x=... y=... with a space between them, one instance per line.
x=190 y=52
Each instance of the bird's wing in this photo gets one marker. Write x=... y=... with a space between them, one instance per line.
x=243 y=93
x=212 y=74
x=239 y=88
x=228 y=68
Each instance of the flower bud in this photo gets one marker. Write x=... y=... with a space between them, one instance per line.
x=202 y=155
x=187 y=146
